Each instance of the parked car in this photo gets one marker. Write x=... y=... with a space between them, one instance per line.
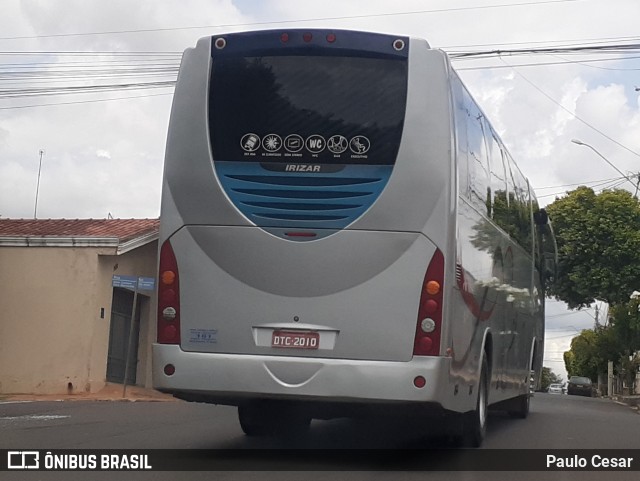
x=555 y=389
x=580 y=386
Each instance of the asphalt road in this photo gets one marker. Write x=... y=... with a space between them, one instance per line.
x=555 y=422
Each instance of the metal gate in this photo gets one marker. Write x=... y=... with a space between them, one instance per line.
x=119 y=336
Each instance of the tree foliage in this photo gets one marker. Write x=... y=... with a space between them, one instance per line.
x=582 y=359
x=625 y=319
x=598 y=240
x=592 y=350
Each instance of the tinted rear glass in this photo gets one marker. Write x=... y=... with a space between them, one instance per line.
x=580 y=380
x=307 y=109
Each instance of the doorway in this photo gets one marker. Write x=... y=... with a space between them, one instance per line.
x=119 y=332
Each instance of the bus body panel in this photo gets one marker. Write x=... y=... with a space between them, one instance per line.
x=232 y=378
x=359 y=287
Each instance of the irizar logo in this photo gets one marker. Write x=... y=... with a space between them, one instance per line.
x=302 y=168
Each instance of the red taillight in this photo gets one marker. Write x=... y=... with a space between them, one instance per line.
x=419 y=382
x=168 y=297
x=429 y=325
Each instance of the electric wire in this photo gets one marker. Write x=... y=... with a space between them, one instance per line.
x=280 y=22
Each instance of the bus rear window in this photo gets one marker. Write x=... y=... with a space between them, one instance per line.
x=307 y=109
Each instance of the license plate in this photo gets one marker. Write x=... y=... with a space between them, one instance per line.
x=295 y=340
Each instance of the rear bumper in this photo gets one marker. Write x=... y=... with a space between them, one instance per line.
x=232 y=378
x=579 y=391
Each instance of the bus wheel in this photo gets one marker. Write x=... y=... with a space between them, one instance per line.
x=255 y=419
x=264 y=418
x=474 y=423
x=520 y=408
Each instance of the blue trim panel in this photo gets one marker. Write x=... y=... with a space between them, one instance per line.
x=307 y=201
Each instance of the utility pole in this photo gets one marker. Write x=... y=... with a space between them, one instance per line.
x=635 y=196
x=597 y=323
x=35 y=209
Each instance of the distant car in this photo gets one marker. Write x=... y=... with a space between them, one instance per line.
x=580 y=386
x=555 y=389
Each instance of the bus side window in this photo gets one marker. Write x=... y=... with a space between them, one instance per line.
x=519 y=206
x=479 y=183
x=460 y=116
x=500 y=211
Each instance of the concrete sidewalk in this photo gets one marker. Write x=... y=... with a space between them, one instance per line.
x=111 y=392
x=632 y=400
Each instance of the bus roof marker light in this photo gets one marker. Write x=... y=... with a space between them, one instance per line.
x=220 y=43
x=307 y=37
x=331 y=37
x=398 y=44
x=284 y=37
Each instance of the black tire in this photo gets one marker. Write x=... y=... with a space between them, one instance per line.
x=255 y=420
x=520 y=407
x=472 y=426
x=264 y=418
x=475 y=422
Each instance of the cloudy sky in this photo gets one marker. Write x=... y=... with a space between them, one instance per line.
x=89 y=83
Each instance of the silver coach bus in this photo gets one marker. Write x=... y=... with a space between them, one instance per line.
x=342 y=229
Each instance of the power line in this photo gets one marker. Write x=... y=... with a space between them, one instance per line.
x=83 y=101
x=576 y=117
x=277 y=22
x=603 y=186
x=547 y=64
x=566 y=314
x=576 y=41
x=580 y=183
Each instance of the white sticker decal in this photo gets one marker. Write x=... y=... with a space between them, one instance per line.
x=337 y=144
x=250 y=142
x=315 y=144
x=293 y=143
x=203 y=336
x=359 y=145
x=272 y=143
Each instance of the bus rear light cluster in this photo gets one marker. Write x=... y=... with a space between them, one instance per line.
x=168 y=297
x=429 y=325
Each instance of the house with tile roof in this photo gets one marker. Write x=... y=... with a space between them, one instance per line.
x=65 y=311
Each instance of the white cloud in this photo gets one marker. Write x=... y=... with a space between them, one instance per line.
x=103 y=154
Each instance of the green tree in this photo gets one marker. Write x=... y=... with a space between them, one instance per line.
x=591 y=350
x=625 y=320
x=582 y=359
x=598 y=240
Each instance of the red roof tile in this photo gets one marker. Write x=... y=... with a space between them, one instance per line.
x=123 y=229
